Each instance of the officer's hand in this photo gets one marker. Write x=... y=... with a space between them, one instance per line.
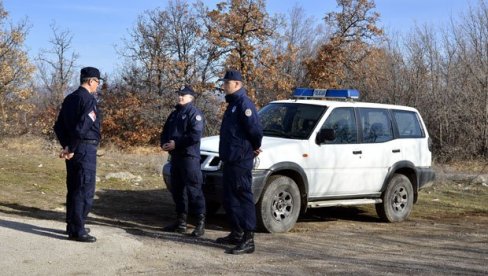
x=165 y=147
x=66 y=154
x=62 y=154
x=169 y=146
x=69 y=155
x=257 y=152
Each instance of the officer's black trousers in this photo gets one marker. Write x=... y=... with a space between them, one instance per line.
x=238 y=197
x=186 y=185
x=80 y=182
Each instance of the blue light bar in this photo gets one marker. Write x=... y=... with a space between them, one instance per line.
x=343 y=94
x=303 y=92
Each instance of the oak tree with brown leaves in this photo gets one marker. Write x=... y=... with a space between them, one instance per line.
x=239 y=27
x=354 y=31
x=15 y=77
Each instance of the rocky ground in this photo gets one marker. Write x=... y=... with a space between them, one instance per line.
x=342 y=241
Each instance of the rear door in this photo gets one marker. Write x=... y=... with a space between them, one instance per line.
x=379 y=148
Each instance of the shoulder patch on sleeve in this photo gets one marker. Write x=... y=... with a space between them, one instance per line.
x=248 y=112
x=92 y=115
x=198 y=117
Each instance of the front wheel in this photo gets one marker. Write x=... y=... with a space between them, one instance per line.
x=397 y=199
x=279 y=206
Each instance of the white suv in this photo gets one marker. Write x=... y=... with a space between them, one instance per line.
x=323 y=149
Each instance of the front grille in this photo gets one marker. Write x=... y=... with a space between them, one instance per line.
x=210 y=161
x=215 y=161
x=202 y=158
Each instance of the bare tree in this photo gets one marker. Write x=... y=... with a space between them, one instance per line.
x=165 y=47
x=300 y=39
x=56 y=65
x=165 y=50
x=443 y=73
x=471 y=38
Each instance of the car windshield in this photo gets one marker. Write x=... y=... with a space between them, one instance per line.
x=290 y=120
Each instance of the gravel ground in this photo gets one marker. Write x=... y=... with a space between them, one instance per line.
x=368 y=247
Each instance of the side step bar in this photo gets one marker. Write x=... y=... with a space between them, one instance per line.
x=343 y=202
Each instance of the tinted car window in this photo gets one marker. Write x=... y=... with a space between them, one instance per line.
x=376 y=125
x=343 y=122
x=408 y=124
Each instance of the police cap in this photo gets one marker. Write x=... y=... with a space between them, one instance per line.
x=186 y=90
x=233 y=75
x=89 y=72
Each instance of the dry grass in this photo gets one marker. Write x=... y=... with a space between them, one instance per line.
x=471 y=166
x=31 y=176
x=447 y=199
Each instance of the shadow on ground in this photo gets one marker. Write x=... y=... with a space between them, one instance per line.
x=145 y=212
x=33 y=229
x=350 y=213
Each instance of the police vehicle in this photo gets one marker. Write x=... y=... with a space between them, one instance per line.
x=324 y=148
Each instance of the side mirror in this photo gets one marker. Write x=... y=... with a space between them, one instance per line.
x=326 y=134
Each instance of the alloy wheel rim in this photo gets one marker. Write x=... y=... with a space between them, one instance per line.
x=282 y=205
x=400 y=199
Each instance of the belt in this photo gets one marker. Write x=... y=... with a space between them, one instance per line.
x=91 y=142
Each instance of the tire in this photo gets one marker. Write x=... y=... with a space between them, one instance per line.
x=397 y=200
x=279 y=206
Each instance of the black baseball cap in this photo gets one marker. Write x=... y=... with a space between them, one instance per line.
x=233 y=75
x=89 y=72
x=186 y=90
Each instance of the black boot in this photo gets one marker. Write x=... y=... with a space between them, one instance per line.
x=234 y=237
x=179 y=226
x=200 y=227
x=246 y=246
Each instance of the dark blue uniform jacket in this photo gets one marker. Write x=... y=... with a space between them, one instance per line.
x=185 y=127
x=78 y=120
x=241 y=132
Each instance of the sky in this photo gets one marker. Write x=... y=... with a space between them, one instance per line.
x=99 y=26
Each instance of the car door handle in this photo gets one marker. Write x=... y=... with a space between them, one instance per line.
x=395 y=151
x=357 y=152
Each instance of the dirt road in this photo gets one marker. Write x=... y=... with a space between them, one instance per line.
x=447 y=232
x=321 y=243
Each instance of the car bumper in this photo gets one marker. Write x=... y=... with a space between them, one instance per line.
x=426 y=177
x=212 y=183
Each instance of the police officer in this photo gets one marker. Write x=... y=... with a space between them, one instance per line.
x=78 y=131
x=240 y=141
x=181 y=137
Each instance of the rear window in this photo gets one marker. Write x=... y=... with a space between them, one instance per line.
x=408 y=124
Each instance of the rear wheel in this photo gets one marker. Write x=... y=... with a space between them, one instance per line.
x=397 y=199
x=279 y=206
